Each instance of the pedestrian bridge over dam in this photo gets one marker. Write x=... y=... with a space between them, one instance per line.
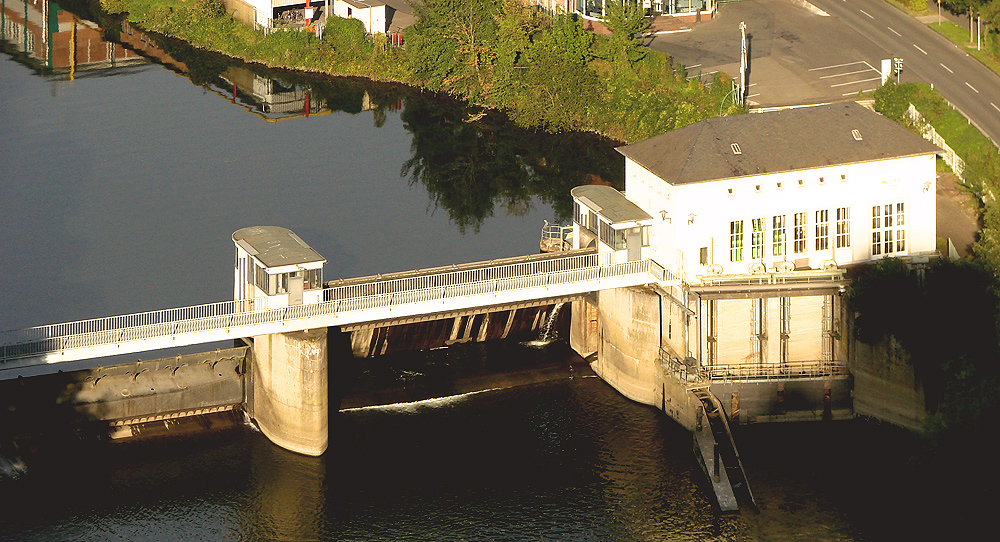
x=402 y=297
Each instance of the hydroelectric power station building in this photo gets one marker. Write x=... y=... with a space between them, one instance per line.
x=759 y=215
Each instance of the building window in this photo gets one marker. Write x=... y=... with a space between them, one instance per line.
x=843 y=227
x=800 y=233
x=612 y=237
x=592 y=221
x=645 y=235
x=822 y=229
x=703 y=255
x=778 y=235
x=888 y=229
x=736 y=241
x=900 y=229
x=757 y=238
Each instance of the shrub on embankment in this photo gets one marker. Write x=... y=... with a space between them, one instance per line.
x=947 y=316
x=982 y=160
x=344 y=49
x=545 y=72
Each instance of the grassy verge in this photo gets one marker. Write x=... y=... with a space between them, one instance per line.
x=956 y=129
x=960 y=36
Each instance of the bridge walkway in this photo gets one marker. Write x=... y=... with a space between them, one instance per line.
x=367 y=299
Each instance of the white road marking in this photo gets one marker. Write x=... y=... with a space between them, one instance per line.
x=995 y=106
x=843 y=74
x=838 y=65
x=856 y=93
x=919 y=49
x=972 y=87
x=947 y=68
x=855 y=82
x=693 y=66
x=753 y=95
x=866 y=14
x=894 y=32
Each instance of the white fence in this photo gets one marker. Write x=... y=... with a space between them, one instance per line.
x=953 y=160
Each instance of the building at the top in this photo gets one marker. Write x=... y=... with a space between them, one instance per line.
x=594 y=11
x=801 y=188
x=758 y=214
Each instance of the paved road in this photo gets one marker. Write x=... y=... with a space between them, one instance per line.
x=798 y=55
x=801 y=54
x=928 y=57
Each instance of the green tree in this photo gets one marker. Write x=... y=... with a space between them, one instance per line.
x=626 y=19
x=452 y=45
x=893 y=100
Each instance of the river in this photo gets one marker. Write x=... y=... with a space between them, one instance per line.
x=120 y=186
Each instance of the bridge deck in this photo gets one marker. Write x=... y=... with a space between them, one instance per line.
x=351 y=302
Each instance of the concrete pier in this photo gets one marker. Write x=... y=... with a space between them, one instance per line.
x=289 y=398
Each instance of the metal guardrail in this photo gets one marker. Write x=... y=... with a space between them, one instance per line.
x=784 y=371
x=39 y=340
x=797 y=277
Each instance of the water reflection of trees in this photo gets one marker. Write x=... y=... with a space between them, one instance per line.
x=471 y=163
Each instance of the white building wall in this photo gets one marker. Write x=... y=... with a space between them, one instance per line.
x=374 y=17
x=700 y=213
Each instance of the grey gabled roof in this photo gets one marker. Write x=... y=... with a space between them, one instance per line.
x=274 y=246
x=778 y=141
x=609 y=203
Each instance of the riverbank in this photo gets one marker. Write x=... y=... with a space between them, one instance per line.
x=544 y=73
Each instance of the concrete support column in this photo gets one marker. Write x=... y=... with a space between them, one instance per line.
x=290 y=379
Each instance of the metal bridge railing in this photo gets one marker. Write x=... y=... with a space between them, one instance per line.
x=342 y=299
x=783 y=371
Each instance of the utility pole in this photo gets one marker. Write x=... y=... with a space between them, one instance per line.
x=743 y=64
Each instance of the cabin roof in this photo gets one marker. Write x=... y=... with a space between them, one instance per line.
x=609 y=203
x=274 y=246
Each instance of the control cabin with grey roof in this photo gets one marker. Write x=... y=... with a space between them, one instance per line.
x=274 y=263
x=605 y=214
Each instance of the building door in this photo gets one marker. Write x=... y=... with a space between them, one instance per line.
x=295 y=288
x=633 y=242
